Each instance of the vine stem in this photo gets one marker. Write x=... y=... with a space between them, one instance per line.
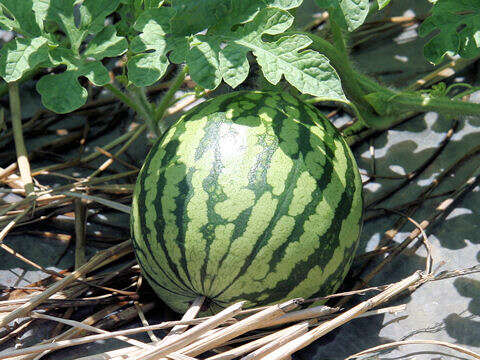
x=338 y=38
x=357 y=86
x=167 y=98
x=445 y=105
x=22 y=155
x=138 y=102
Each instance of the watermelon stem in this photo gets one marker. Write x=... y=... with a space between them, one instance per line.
x=166 y=100
x=137 y=103
x=147 y=111
x=378 y=106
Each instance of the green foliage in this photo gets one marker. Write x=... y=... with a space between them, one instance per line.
x=80 y=46
x=216 y=40
x=145 y=68
x=380 y=102
x=382 y=3
x=129 y=10
x=349 y=14
x=230 y=30
x=456 y=25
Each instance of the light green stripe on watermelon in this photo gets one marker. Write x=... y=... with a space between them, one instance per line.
x=237 y=162
x=278 y=171
x=173 y=176
x=218 y=250
x=348 y=230
x=236 y=165
x=144 y=254
x=302 y=194
x=259 y=267
x=150 y=189
x=243 y=246
x=185 y=155
x=315 y=227
x=195 y=244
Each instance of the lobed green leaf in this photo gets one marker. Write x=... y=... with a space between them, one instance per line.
x=41 y=46
x=192 y=16
x=456 y=25
x=382 y=3
x=106 y=44
x=52 y=87
x=229 y=31
x=94 y=12
x=21 y=55
x=349 y=14
x=150 y=61
x=24 y=19
x=306 y=70
x=61 y=13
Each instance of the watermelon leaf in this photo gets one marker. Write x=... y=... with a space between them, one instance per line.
x=456 y=25
x=24 y=17
x=382 y=3
x=307 y=70
x=150 y=61
x=52 y=86
x=349 y=14
x=215 y=46
x=21 y=55
x=41 y=46
x=6 y=23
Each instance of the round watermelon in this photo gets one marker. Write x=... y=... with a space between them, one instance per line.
x=250 y=196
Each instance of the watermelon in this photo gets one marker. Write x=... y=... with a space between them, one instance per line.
x=250 y=196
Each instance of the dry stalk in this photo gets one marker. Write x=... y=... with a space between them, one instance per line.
x=73 y=332
x=190 y=314
x=294 y=332
x=260 y=339
x=250 y=346
x=179 y=342
x=411 y=342
x=426 y=243
x=124 y=148
x=144 y=321
x=92 y=338
x=417 y=172
x=12 y=224
x=177 y=356
x=90 y=328
x=109 y=203
x=299 y=315
x=80 y=232
x=322 y=329
x=16 y=331
x=9 y=170
x=248 y=324
x=462 y=272
x=99 y=258
x=116 y=158
x=12 y=180
x=439 y=210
